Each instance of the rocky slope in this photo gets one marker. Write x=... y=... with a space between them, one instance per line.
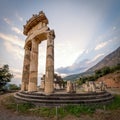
x=110 y=60
x=111 y=80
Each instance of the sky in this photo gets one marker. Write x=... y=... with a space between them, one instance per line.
x=86 y=31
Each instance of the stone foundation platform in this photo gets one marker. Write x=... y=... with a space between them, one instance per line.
x=59 y=99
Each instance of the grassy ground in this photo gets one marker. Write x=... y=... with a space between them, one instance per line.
x=61 y=112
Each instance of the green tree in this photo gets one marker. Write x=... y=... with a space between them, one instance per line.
x=115 y=68
x=91 y=78
x=79 y=81
x=5 y=76
x=98 y=73
x=105 y=70
x=13 y=87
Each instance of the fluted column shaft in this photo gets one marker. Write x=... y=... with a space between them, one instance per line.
x=26 y=67
x=49 y=76
x=33 y=67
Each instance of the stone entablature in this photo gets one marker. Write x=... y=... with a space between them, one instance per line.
x=37 y=34
x=40 y=18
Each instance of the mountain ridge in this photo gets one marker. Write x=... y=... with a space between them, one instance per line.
x=111 y=59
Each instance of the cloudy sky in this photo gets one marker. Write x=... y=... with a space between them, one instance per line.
x=86 y=31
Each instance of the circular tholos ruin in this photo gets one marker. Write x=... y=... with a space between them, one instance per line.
x=36 y=30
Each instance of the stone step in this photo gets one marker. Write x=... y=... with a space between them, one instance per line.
x=64 y=94
x=65 y=101
x=42 y=99
x=64 y=97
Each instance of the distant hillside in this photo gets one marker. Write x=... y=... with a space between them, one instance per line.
x=111 y=79
x=75 y=76
x=110 y=60
x=71 y=77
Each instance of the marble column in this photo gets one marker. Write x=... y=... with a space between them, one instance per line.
x=26 y=67
x=49 y=77
x=33 y=67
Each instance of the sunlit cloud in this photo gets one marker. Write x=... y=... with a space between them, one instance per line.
x=16 y=72
x=13 y=27
x=95 y=58
x=13 y=39
x=2 y=62
x=101 y=45
x=13 y=44
x=87 y=51
x=61 y=74
x=17 y=30
x=65 y=54
x=17 y=76
x=16 y=51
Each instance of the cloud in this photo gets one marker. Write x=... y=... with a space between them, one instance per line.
x=74 y=68
x=13 y=44
x=19 y=17
x=12 y=39
x=114 y=27
x=101 y=45
x=17 y=30
x=95 y=58
x=80 y=66
x=16 y=81
x=16 y=51
x=16 y=72
x=7 y=21
x=87 y=51
x=13 y=27
x=2 y=61
x=65 y=54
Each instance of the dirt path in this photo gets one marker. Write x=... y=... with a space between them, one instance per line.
x=114 y=91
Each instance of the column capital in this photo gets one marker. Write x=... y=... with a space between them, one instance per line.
x=51 y=34
x=27 y=47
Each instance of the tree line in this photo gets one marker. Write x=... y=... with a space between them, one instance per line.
x=98 y=73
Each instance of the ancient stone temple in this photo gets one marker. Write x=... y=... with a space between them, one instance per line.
x=53 y=91
x=36 y=30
